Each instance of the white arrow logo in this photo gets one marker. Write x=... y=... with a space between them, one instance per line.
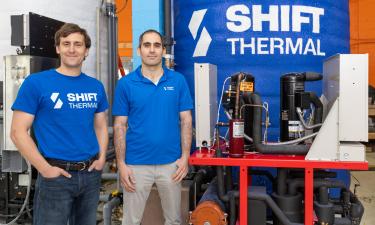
x=56 y=100
x=205 y=39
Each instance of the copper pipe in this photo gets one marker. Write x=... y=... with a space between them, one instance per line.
x=237 y=105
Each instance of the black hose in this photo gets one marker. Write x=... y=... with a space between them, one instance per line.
x=281 y=181
x=317 y=174
x=228 y=178
x=323 y=195
x=232 y=208
x=293 y=185
x=228 y=197
x=257 y=133
x=197 y=182
x=220 y=184
x=275 y=209
x=312 y=76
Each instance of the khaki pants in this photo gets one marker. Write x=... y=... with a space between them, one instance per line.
x=169 y=191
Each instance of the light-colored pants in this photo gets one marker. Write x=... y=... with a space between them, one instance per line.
x=169 y=191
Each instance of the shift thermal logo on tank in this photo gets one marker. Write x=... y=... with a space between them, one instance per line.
x=56 y=100
x=276 y=29
x=205 y=39
x=263 y=30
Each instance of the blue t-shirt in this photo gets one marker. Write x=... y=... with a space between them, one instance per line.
x=153 y=134
x=63 y=109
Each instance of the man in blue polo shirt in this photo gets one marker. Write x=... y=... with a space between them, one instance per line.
x=66 y=109
x=153 y=132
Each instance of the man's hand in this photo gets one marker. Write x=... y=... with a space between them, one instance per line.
x=53 y=172
x=97 y=164
x=182 y=169
x=126 y=177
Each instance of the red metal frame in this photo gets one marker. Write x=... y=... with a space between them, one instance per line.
x=207 y=157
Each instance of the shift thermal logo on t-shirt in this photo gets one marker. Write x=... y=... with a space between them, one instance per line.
x=82 y=100
x=56 y=100
x=168 y=88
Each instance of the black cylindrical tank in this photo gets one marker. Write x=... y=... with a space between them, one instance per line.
x=290 y=125
x=291 y=205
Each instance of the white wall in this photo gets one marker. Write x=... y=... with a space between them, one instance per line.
x=81 y=12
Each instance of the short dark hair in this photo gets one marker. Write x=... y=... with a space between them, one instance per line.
x=70 y=28
x=151 y=31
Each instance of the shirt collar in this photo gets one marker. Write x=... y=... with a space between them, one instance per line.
x=139 y=76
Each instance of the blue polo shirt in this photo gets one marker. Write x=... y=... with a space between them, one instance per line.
x=64 y=108
x=153 y=134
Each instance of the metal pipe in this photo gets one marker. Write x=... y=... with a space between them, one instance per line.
x=112 y=54
x=107 y=210
x=323 y=195
x=218 y=152
x=232 y=208
x=317 y=174
x=237 y=104
x=197 y=181
x=104 y=197
x=228 y=178
x=168 y=40
x=225 y=197
x=307 y=127
x=257 y=132
x=220 y=184
x=167 y=26
x=281 y=181
x=248 y=138
x=109 y=176
x=293 y=142
x=109 y=14
x=275 y=209
x=318 y=115
x=293 y=185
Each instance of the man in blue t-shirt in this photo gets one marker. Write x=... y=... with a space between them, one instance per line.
x=66 y=109
x=152 y=132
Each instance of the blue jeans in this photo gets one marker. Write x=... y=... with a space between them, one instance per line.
x=59 y=200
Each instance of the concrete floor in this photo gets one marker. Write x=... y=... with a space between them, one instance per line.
x=366 y=190
x=366 y=194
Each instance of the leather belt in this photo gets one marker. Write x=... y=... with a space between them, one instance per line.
x=72 y=166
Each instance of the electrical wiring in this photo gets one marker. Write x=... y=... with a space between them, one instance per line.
x=26 y=198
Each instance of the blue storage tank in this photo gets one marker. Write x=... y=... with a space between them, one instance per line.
x=263 y=37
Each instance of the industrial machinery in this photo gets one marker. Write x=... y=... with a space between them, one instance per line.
x=294 y=99
x=34 y=35
x=315 y=134
x=312 y=136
